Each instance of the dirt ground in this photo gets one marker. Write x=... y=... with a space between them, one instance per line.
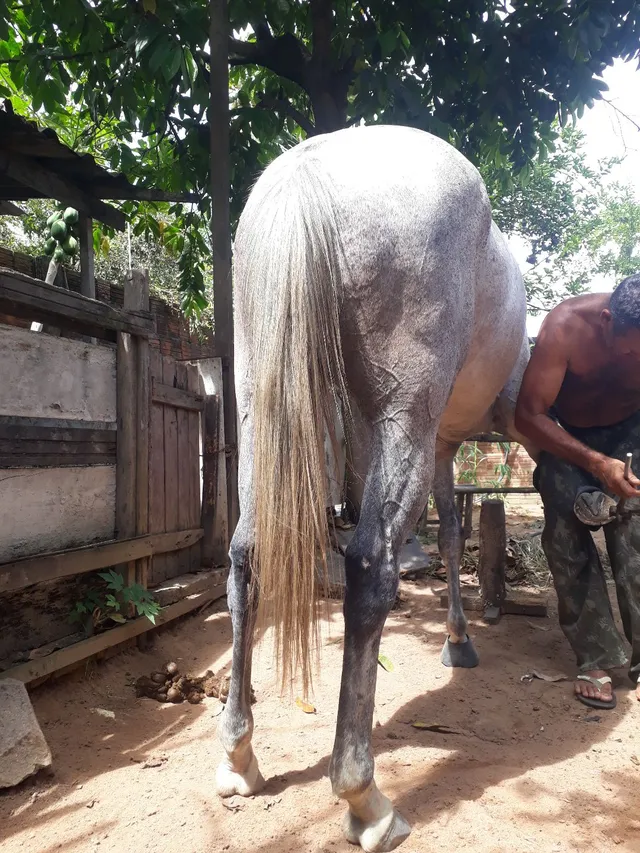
x=527 y=768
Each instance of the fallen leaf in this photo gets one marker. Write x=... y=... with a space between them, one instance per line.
x=635 y=760
x=385 y=663
x=539 y=627
x=233 y=805
x=437 y=727
x=305 y=706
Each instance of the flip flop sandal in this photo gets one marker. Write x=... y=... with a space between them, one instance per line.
x=603 y=704
x=593 y=507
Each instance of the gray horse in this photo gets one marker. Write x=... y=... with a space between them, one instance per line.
x=371 y=280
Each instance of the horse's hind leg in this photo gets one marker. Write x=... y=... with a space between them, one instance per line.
x=396 y=487
x=238 y=773
x=458 y=649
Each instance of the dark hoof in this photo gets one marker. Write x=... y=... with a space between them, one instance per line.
x=459 y=654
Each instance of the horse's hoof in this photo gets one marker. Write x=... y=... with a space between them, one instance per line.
x=378 y=836
x=459 y=654
x=229 y=782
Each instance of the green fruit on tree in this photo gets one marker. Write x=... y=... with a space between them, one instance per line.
x=70 y=245
x=59 y=230
x=50 y=246
x=70 y=216
x=59 y=255
x=54 y=217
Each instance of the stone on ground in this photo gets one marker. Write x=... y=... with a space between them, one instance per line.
x=23 y=749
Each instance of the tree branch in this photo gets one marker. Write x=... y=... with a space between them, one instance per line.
x=622 y=113
x=286 y=107
x=65 y=57
x=284 y=55
x=280 y=105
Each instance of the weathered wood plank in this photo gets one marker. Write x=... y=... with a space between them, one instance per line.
x=35 y=670
x=177 y=397
x=54 y=434
x=46 y=567
x=515 y=604
x=27 y=446
x=156 y=470
x=126 y=465
x=29 y=297
x=185 y=464
x=492 y=563
x=55 y=460
x=195 y=488
x=171 y=472
x=214 y=508
x=21 y=423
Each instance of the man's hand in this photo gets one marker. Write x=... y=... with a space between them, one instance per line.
x=610 y=472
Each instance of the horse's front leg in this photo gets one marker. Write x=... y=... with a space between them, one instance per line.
x=394 y=494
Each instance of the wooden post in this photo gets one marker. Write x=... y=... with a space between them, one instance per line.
x=215 y=543
x=126 y=453
x=468 y=515
x=221 y=233
x=87 y=267
x=136 y=298
x=492 y=559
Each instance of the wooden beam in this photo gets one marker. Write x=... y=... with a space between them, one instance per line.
x=58 y=435
x=30 y=173
x=515 y=604
x=40 y=668
x=87 y=266
x=24 y=296
x=465 y=489
x=8 y=208
x=219 y=32
x=106 y=191
x=61 y=564
x=215 y=542
x=176 y=397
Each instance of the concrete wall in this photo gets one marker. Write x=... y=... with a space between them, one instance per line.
x=47 y=509
x=46 y=377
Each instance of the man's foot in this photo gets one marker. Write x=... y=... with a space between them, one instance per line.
x=594 y=689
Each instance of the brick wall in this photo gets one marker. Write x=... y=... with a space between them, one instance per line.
x=173 y=336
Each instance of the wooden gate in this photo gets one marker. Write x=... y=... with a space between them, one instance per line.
x=174 y=461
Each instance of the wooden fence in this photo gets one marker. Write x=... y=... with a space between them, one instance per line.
x=155 y=528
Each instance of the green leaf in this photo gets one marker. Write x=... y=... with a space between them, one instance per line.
x=149 y=6
x=385 y=663
x=117 y=617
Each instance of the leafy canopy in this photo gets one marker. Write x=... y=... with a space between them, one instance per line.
x=128 y=80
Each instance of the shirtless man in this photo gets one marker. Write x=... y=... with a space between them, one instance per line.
x=580 y=404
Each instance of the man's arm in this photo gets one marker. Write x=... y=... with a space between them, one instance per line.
x=541 y=385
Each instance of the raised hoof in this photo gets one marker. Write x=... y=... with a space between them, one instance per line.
x=229 y=782
x=459 y=654
x=386 y=833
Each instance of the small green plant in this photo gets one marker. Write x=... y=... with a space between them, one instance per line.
x=109 y=603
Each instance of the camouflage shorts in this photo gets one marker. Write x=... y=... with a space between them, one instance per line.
x=583 y=601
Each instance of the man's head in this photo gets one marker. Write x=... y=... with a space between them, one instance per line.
x=621 y=320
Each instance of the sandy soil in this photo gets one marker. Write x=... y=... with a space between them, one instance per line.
x=528 y=768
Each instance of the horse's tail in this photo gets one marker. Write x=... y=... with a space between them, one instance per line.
x=289 y=284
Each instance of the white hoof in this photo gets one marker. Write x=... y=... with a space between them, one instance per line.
x=379 y=827
x=229 y=782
